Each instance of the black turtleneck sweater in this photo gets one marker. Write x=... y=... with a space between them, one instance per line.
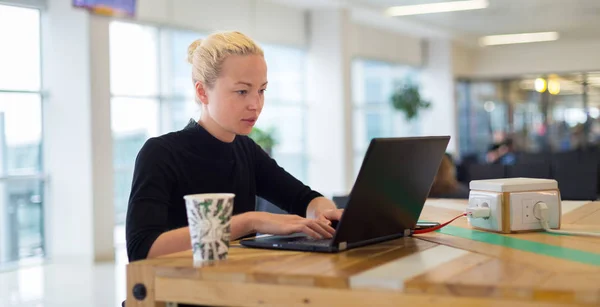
x=192 y=161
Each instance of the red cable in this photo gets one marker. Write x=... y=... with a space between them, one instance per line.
x=431 y=229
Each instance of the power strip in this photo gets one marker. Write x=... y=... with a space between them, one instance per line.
x=511 y=203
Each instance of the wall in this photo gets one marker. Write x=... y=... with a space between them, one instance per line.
x=378 y=44
x=438 y=87
x=462 y=59
x=253 y=17
x=328 y=95
x=546 y=57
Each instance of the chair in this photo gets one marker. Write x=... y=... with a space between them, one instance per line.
x=577 y=181
x=340 y=201
x=534 y=170
x=266 y=206
x=486 y=171
x=532 y=158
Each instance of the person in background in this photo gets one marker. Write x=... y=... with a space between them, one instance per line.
x=501 y=153
x=445 y=184
x=215 y=155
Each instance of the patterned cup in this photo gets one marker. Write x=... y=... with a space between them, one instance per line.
x=209 y=217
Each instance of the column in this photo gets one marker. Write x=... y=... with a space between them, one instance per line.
x=329 y=113
x=438 y=87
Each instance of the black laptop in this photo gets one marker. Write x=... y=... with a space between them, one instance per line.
x=386 y=199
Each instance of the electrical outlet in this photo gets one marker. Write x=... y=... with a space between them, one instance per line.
x=528 y=217
x=521 y=209
x=491 y=200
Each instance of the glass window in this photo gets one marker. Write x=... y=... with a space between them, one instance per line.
x=373 y=83
x=135 y=103
x=133 y=59
x=22 y=183
x=20 y=52
x=20 y=133
x=546 y=113
x=285 y=107
x=177 y=72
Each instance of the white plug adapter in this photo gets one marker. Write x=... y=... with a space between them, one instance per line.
x=511 y=203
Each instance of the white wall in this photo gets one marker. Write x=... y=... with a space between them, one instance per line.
x=101 y=141
x=263 y=20
x=67 y=131
x=328 y=80
x=547 y=57
x=380 y=44
x=462 y=59
x=438 y=87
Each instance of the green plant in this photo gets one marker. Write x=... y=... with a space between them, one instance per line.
x=264 y=138
x=407 y=99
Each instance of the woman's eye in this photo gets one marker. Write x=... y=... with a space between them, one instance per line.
x=262 y=91
x=242 y=92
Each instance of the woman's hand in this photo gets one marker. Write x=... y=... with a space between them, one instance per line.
x=285 y=224
x=329 y=215
x=323 y=209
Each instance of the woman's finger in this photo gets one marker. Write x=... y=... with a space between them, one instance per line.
x=335 y=214
x=327 y=226
x=320 y=228
x=307 y=230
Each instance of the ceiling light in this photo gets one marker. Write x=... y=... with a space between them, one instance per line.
x=437 y=7
x=553 y=87
x=518 y=38
x=540 y=85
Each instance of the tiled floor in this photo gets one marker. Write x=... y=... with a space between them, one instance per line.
x=66 y=284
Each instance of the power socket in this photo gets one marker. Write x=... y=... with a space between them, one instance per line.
x=512 y=201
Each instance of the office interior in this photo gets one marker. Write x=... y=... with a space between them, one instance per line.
x=80 y=93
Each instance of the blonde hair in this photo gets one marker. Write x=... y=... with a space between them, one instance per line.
x=207 y=55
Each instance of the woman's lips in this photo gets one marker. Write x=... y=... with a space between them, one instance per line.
x=249 y=121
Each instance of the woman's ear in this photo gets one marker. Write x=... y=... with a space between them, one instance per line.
x=201 y=92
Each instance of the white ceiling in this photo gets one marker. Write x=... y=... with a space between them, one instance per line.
x=573 y=19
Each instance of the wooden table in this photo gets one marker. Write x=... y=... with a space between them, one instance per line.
x=457 y=266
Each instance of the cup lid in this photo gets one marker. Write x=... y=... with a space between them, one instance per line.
x=209 y=196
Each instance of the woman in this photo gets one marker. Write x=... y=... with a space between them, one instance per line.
x=215 y=155
x=445 y=184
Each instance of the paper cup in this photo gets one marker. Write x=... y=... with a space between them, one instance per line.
x=209 y=217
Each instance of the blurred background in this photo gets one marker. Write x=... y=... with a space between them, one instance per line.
x=84 y=83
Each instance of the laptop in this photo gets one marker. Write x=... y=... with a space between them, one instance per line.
x=385 y=202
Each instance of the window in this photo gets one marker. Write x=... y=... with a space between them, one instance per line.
x=373 y=84
x=21 y=177
x=285 y=107
x=135 y=102
x=491 y=111
x=151 y=94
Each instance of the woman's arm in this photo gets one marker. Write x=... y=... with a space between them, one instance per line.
x=279 y=187
x=241 y=225
x=179 y=239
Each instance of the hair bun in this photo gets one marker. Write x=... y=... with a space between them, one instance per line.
x=192 y=48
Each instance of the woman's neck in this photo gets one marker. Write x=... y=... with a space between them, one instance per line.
x=215 y=130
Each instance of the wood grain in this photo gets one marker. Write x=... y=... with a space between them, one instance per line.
x=294 y=268
x=251 y=294
x=581 y=215
x=142 y=274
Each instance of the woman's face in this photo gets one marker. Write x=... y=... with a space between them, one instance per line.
x=237 y=96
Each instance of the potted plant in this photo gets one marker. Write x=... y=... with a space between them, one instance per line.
x=408 y=100
x=264 y=138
